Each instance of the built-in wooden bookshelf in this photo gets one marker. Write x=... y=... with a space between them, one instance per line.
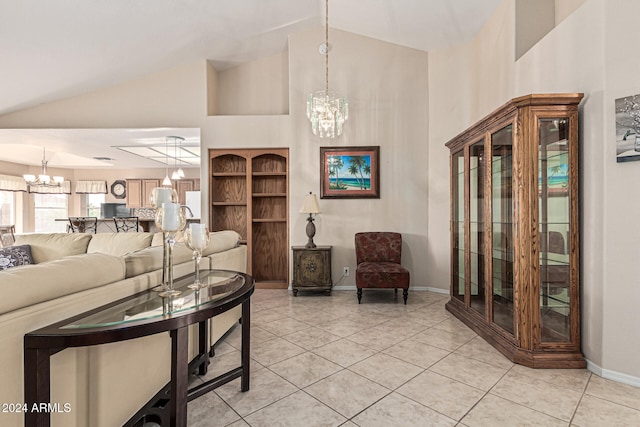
x=249 y=193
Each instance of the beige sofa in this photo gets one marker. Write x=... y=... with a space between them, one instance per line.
x=103 y=385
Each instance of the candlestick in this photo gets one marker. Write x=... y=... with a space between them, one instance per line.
x=160 y=195
x=197 y=239
x=171 y=217
x=198 y=232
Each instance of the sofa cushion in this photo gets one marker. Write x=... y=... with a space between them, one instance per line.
x=52 y=246
x=382 y=275
x=150 y=259
x=220 y=241
x=14 y=256
x=143 y=261
x=119 y=243
x=37 y=283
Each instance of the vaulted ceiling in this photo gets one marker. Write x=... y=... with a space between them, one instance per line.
x=51 y=50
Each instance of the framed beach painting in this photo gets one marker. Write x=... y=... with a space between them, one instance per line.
x=350 y=172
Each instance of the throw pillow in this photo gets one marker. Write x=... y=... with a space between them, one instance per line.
x=14 y=256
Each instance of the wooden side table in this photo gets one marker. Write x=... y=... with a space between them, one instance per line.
x=311 y=269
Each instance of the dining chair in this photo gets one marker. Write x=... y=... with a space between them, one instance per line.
x=82 y=224
x=126 y=224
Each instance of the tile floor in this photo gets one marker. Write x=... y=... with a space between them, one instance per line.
x=326 y=361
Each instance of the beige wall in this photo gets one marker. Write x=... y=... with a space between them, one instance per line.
x=388 y=106
x=256 y=87
x=465 y=83
x=564 y=8
x=411 y=107
x=619 y=231
x=587 y=52
x=534 y=19
x=387 y=96
x=387 y=90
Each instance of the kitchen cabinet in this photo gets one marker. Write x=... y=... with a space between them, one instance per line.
x=139 y=192
x=183 y=185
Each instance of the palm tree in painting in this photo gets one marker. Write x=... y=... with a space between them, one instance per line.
x=353 y=170
x=367 y=172
x=335 y=163
x=556 y=171
x=358 y=166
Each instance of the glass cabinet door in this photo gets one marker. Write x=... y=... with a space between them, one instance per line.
x=476 y=226
x=457 y=225
x=515 y=230
x=554 y=225
x=502 y=228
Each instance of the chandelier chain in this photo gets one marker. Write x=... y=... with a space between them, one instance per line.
x=326 y=43
x=326 y=110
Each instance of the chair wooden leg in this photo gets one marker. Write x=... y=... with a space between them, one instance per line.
x=359 y=295
x=405 y=294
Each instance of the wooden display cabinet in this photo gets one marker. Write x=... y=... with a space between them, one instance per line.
x=514 y=230
x=249 y=193
x=311 y=269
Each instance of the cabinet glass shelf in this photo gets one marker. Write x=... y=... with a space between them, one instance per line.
x=514 y=230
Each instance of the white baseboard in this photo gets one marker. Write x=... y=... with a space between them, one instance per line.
x=613 y=375
x=438 y=290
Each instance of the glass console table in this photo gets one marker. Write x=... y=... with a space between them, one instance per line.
x=140 y=315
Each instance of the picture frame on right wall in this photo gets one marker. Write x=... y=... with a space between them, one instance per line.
x=350 y=172
x=628 y=129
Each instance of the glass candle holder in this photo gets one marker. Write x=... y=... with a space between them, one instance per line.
x=169 y=218
x=197 y=239
x=160 y=195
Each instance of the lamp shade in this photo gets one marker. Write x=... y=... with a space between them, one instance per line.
x=310 y=204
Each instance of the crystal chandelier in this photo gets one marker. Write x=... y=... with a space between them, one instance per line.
x=43 y=179
x=327 y=110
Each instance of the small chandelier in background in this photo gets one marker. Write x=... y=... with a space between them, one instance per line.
x=166 y=182
x=180 y=171
x=43 y=179
x=327 y=110
x=177 y=173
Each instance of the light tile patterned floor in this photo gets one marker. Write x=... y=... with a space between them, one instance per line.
x=326 y=361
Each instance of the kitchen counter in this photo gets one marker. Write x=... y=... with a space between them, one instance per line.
x=106 y=225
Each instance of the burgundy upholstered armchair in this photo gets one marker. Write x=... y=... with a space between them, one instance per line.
x=378 y=256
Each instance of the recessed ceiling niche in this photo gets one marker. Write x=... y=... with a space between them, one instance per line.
x=259 y=87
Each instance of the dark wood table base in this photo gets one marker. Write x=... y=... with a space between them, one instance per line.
x=169 y=406
x=160 y=408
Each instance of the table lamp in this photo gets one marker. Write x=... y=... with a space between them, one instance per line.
x=310 y=206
